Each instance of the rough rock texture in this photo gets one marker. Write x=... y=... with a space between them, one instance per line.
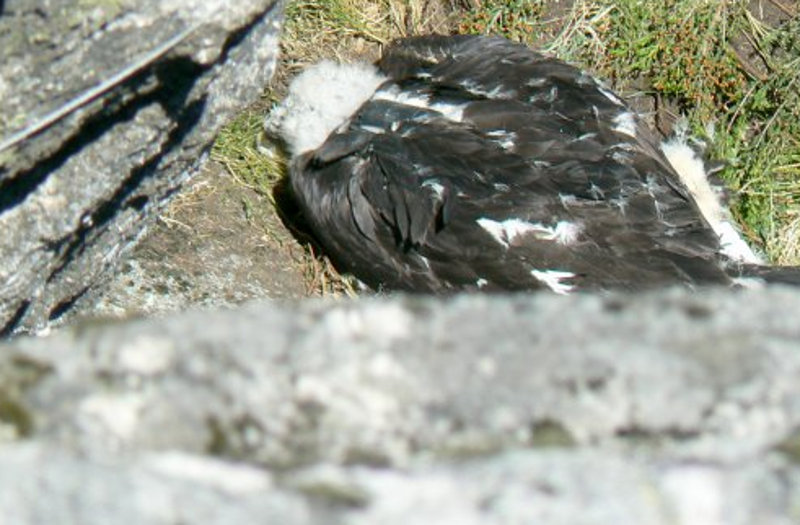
x=105 y=108
x=205 y=250
x=665 y=408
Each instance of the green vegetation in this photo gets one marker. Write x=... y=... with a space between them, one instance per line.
x=237 y=148
x=730 y=71
x=731 y=74
x=516 y=19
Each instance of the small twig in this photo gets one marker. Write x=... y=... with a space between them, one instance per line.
x=788 y=167
x=746 y=64
x=739 y=107
x=786 y=10
x=232 y=172
x=169 y=222
x=774 y=116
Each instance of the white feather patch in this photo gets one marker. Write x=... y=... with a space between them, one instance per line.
x=692 y=172
x=505 y=232
x=625 y=123
x=610 y=95
x=553 y=279
x=320 y=99
x=497 y=92
x=436 y=186
x=504 y=138
x=453 y=112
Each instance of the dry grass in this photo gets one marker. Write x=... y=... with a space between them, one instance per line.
x=349 y=30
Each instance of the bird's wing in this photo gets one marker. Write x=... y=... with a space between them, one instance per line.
x=437 y=205
x=565 y=102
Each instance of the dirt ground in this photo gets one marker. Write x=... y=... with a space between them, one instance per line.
x=218 y=243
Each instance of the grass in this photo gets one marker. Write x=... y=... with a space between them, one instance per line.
x=731 y=73
x=517 y=20
x=734 y=78
x=261 y=168
x=238 y=150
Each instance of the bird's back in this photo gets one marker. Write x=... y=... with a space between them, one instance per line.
x=479 y=163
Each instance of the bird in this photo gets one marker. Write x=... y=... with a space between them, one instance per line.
x=474 y=163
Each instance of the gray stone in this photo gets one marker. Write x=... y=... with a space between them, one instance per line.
x=105 y=108
x=205 y=250
x=661 y=408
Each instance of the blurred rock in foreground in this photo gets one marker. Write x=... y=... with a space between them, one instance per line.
x=665 y=408
x=105 y=108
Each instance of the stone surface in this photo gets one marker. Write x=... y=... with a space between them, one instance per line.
x=106 y=108
x=217 y=244
x=664 y=408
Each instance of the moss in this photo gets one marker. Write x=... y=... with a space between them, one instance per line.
x=517 y=19
x=335 y=492
x=15 y=414
x=102 y=11
x=218 y=442
x=237 y=148
x=790 y=447
x=111 y=8
x=548 y=433
x=27 y=372
x=20 y=374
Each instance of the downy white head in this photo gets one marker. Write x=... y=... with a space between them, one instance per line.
x=320 y=100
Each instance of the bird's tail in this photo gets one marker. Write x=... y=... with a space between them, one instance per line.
x=768 y=274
